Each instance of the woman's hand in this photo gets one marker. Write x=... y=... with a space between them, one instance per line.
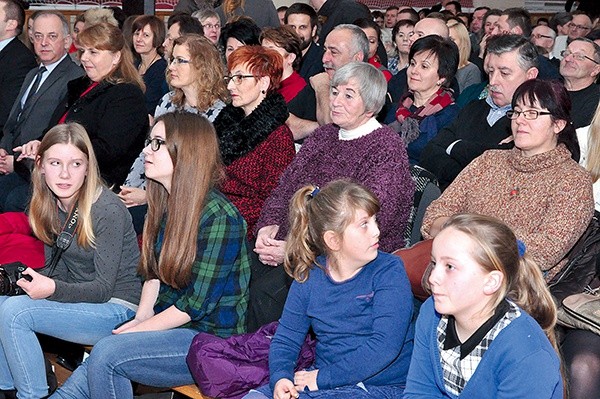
x=306 y=379
x=124 y=327
x=28 y=150
x=40 y=287
x=132 y=196
x=270 y=251
x=284 y=389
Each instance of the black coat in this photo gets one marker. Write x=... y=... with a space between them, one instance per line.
x=116 y=120
x=15 y=61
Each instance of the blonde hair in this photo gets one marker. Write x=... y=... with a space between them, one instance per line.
x=496 y=249
x=104 y=36
x=43 y=215
x=194 y=149
x=313 y=212
x=208 y=69
x=463 y=43
x=593 y=147
x=98 y=15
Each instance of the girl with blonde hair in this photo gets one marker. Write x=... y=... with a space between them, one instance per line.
x=468 y=73
x=356 y=299
x=488 y=329
x=86 y=289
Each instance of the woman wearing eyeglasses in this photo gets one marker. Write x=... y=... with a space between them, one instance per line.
x=195 y=73
x=256 y=144
x=537 y=188
x=195 y=263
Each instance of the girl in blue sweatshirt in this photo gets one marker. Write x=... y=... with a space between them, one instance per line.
x=357 y=300
x=487 y=330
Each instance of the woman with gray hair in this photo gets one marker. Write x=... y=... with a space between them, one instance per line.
x=354 y=146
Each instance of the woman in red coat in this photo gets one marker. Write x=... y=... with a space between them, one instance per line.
x=256 y=144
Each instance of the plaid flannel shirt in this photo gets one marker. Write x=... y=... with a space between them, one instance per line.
x=217 y=296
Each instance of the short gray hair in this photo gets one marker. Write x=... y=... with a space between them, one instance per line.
x=359 y=42
x=372 y=85
x=59 y=15
x=527 y=55
x=594 y=45
x=206 y=13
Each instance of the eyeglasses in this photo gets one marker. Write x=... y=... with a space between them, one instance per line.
x=211 y=26
x=577 y=56
x=236 y=79
x=154 y=143
x=579 y=27
x=38 y=37
x=540 y=36
x=178 y=61
x=529 y=114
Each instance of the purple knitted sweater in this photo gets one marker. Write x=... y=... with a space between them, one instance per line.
x=377 y=160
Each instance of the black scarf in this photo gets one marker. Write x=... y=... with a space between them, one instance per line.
x=240 y=134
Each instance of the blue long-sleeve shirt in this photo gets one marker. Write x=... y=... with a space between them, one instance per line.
x=363 y=326
x=520 y=363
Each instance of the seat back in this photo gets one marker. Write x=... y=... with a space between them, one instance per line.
x=426 y=190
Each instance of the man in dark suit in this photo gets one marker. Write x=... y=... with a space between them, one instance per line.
x=15 y=58
x=43 y=89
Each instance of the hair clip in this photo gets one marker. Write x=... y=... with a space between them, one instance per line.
x=521 y=247
x=314 y=192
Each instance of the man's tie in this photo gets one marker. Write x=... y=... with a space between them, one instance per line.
x=36 y=84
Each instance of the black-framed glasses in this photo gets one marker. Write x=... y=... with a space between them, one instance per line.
x=579 y=27
x=540 y=36
x=529 y=114
x=236 y=79
x=154 y=143
x=178 y=61
x=577 y=56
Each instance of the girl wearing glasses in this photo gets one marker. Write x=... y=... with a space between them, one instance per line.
x=537 y=188
x=195 y=73
x=256 y=144
x=195 y=263
x=93 y=286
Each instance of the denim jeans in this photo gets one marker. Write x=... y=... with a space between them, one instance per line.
x=154 y=358
x=21 y=358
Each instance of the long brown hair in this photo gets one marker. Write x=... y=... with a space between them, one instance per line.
x=194 y=150
x=229 y=6
x=313 y=212
x=208 y=69
x=104 y=36
x=43 y=215
x=496 y=249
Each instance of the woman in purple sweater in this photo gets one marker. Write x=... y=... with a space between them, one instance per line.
x=356 y=147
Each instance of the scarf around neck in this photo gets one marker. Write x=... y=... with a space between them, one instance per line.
x=239 y=134
x=408 y=121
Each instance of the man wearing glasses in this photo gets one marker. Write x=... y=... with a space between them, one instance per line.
x=580 y=26
x=543 y=38
x=43 y=89
x=579 y=68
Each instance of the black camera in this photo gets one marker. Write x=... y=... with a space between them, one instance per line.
x=9 y=275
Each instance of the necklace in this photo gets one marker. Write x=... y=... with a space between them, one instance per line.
x=142 y=69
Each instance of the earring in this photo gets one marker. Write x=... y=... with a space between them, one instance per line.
x=263 y=92
x=439 y=83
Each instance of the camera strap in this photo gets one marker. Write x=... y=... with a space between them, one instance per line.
x=64 y=239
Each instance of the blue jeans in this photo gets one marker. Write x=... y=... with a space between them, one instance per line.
x=21 y=358
x=154 y=358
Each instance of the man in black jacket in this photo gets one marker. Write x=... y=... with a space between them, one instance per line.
x=15 y=58
x=482 y=124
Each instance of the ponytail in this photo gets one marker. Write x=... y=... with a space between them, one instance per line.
x=314 y=212
x=530 y=292
x=300 y=251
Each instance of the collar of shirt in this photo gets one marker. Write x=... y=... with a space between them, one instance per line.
x=471 y=343
x=360 y=131
x=50 y=67
x=4 y=43
x=496 y=112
